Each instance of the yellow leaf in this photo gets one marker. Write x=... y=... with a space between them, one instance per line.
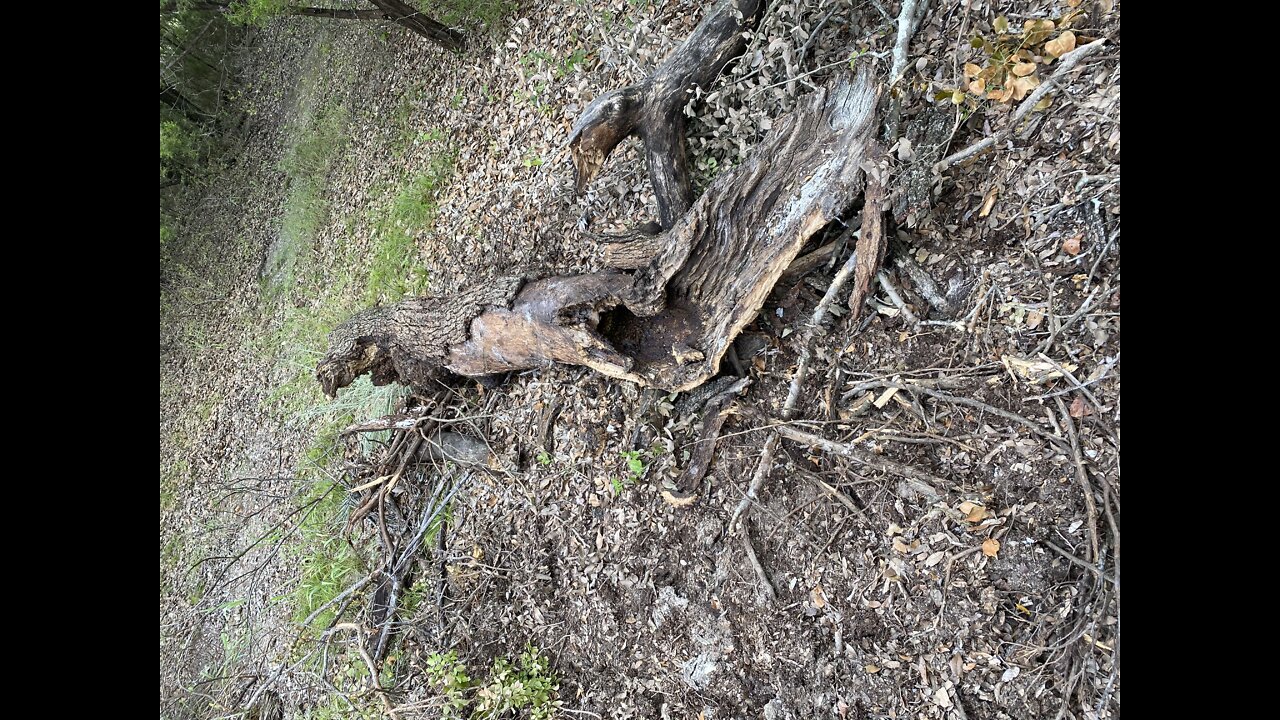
x=1043 y=104
x=971 y=70
x=1061 y=45
x=957 y=97
x=1001 y=24
x=1024 y=69
x=990 y=547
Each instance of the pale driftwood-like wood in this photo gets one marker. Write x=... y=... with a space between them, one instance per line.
x=654 y=108
x=669 y=324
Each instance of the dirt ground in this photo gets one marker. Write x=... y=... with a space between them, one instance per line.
x=989 y=589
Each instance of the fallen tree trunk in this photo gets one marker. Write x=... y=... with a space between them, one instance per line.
x=668 y=324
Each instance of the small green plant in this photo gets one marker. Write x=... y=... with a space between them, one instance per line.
x=397 y=269
x=450 y=675
x=635 y=465
x=634 y=460
x=329 y=564
x=527 y=684
x=575 y=59
x=489 y=13
x=532 y=159
x=544 y=458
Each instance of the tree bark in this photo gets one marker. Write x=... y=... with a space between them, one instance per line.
x=668 y=324
x=397 y=11
x=406 y=15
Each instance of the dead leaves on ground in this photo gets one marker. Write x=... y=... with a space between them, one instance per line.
x=1008 y=69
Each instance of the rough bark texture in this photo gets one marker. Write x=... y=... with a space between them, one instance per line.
x=670 y=323
x=928 y=134
x=407 y=342
x=654 y=108
x=406 y=15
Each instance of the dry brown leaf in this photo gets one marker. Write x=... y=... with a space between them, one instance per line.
x=990 y=547
x=678 y=500
x=1078 y=408
x=1035 y=371
x=1036 y=31
x=1061 y=45
x=1024 y=85
x=1071 y=245
x=819 y=599
x=978 y=87
x=988 y=202
x=1024 y=69
x=977 y=514
x=971 y=70
x=942 y=697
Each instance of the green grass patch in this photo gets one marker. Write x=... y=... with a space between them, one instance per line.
x=329 y=563
x=396 y=268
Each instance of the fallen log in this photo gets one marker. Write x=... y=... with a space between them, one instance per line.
x=668 y=324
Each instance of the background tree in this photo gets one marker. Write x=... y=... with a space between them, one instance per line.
x=400 y=12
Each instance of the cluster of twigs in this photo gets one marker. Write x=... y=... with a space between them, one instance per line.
x=401 y=485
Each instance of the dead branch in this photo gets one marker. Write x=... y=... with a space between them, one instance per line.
x=908 y=22
x=653 y=109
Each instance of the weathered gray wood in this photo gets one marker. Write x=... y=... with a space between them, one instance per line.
x=654 y=108
x=668 y=324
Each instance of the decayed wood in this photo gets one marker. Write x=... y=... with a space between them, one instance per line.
x=653 y=109
x=871 y=244
x=670 y=323
x=407 y=342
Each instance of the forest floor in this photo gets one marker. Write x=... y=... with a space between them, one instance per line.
x=373 y=166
